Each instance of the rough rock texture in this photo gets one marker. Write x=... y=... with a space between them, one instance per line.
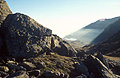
x=24 y=37
x=96 y=67
x=102 y=59
x=21 y=35
x=4 y=11
x=110 y=47
x=19 y=74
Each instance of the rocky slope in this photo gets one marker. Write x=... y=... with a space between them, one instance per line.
x=91 y=31
x=110 y=47
x=108 y=32
x=4 y=10
x=30 y=50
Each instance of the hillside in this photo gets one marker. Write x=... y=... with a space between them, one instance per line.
x=108 y=32
x=110 y=47
x=91 y=31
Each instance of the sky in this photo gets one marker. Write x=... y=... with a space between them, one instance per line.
x=66 y=16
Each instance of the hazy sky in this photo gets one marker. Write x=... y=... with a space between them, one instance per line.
x=66 y=16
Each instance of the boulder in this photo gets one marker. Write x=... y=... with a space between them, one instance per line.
x=82 y=76
x=25 y=38
x=28 y=65
x=3 y=74
x=4 y=68
x=34 y=73
x=19 y=74
x=102 y=59
x=22 y=35
x=51 y=74
x=13 y=66
x=81 y=68
x=96 y=67
x=40 y=65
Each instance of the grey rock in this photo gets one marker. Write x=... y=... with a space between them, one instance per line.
x=102 y=59
x=51 y=74
x=25 y=38
x=4 y=68
x=40 y=65
x=34 y=73
x=82 y=76
x=3 y=74
x=16 y=67
x=28 y=65
x=19 y=74
x=23 y=35
x=81 y=68
x=98 y=68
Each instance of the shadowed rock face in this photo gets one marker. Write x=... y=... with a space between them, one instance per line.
x=4 y=10
x=24 y=37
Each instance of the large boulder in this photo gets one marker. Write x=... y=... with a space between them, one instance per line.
x=4 y=11
x=24 y=37
x=96 y=67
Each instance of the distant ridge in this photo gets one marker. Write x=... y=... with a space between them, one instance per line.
x=88 y=33
x=108 y=32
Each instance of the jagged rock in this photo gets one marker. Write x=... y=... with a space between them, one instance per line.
x=22 y=36
x=3 y=74
x=25 y=38
x=16 y=67
x=102 y=59
x=4 y=11
x=34 y=73
x=19 y=74
x=40 y=65
x=82 y=76
x=98 y=68
x=28 y=65
x=4 y=68
x=114 y=66
x=81 y=68
x=51 y=74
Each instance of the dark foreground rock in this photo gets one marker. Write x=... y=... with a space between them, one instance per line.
x=96 y=67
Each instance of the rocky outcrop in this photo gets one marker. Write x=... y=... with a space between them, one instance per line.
x=24 y=37
x=4 y=11
x=96 y=67
x=109 y=47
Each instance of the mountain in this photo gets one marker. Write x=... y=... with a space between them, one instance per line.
x=4 y=10
x=108 y=32
x=109 y=47
x=91 y=31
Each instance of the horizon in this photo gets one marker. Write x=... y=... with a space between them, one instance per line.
x=66 y=16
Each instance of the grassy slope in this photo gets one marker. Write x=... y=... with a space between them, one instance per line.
x=112 y=58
